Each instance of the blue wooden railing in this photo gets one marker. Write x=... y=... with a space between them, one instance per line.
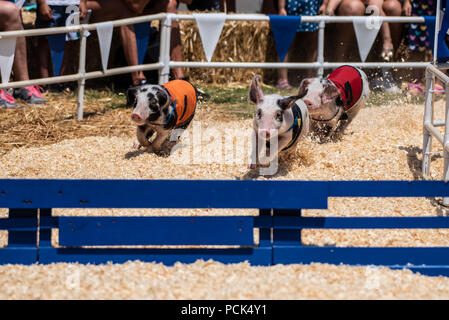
x=86 y=239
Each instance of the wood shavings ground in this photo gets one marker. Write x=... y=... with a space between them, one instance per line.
x=382 y=143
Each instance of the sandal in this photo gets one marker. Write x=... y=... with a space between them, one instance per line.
x=415 y=89
x=438 y=89
x=387 y=54
x=283 y=84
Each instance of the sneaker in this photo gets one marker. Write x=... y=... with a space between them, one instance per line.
x=60 y=87
x=31 y=95
x=6 y=100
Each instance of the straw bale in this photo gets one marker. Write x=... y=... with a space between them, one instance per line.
x=383 y=143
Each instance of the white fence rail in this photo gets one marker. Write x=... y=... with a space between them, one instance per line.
x=430 y=125
x=165 y=64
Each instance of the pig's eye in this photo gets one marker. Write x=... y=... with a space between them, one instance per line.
x=279 y=116
x=259 y=113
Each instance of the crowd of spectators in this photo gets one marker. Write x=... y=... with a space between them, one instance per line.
x=53 y=13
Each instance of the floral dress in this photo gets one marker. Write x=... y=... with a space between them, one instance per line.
x=304 y=8
x=417 y=37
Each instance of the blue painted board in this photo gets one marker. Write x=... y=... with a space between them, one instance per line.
x=352 y=222
x=416 y=188
x=162 y=194
x=18 y=224
x=255 y=256
x=202 y=193
x=101 y=231
x=18 y=255
x=389 y=256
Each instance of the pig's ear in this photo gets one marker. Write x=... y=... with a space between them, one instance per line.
x=255 y=92
x=131 y=95
x=287 y=102
x=330 y=91
x=304 y=86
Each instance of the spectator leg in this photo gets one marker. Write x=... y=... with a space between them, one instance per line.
x=229 y=4
x=283 y=77
x=10 y=20
x=345 y=43
x=44 y=57
x=68 y=60
x=394 y=8
x=175 y=41
x=129 y=44
x=105 y=10
x=387 y=44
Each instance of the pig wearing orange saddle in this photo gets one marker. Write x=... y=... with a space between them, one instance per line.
x=159 y=110
x=184 y=97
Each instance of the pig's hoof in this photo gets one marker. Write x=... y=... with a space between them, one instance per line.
x=137 y=146
x=163 y=153
x=252 y=166
x=149 y=149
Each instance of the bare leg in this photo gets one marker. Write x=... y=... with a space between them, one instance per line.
x=387 y=43
x=67 y=62
x=44 y=57
x=104 y=10
x=10 y=20
x=346 y=46
x=283 y=76
x=175 y=41
x=394 y=8
x=129 y=44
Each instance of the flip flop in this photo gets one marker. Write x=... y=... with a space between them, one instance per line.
x=283 y=84
x=415 y=89
x=387 y=54
x=437 y=89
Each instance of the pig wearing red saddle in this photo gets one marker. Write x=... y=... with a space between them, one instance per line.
x=335 y=101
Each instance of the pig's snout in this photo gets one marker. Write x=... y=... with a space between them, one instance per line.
x=135 y=117
x=264 y=133
x=308 y=103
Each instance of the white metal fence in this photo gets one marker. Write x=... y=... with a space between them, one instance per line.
x=164 y=64
x=430 y=125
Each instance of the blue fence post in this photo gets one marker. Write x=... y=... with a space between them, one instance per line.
x=282 y=237
x=44 y=230
x=265 y=233
x=22 y=241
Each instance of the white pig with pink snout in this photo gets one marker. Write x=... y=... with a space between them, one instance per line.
x=280 y=118
x=335 y=101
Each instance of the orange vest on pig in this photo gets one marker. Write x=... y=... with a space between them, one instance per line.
x=349 y=82
x=183 y=95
